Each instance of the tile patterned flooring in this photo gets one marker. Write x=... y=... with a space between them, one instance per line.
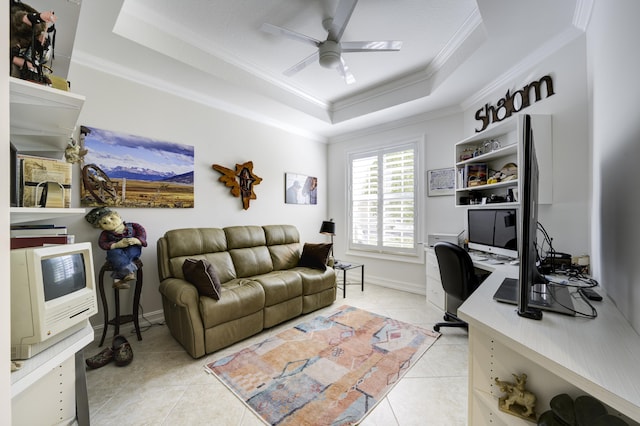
x=165 y=386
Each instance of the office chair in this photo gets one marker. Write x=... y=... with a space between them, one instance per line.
x=458 y=280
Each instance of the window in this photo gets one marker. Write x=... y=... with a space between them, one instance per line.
x=383 y=204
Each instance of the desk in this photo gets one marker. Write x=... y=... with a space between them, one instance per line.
x=31 y=385
x=560 y=354
x=344 y=267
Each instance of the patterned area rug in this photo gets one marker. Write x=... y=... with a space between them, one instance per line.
x=329 y=370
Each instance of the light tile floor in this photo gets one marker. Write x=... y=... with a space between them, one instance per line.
x=165 y=386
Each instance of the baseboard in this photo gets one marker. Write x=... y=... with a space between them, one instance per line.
x=397 y=285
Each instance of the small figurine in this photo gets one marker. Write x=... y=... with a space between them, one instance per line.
x=123 y=242
x=517 y=401
x=74 y=153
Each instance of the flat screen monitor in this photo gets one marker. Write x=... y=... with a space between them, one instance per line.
x=493 y=231
x=529 y=178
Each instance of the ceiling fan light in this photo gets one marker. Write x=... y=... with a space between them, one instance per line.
x=330 y=54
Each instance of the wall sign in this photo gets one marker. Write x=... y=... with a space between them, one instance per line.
x=513 y=102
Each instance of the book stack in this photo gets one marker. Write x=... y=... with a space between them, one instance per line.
x=23 y=236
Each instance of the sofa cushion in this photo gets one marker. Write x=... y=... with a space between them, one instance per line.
x=315 y=281
x=315 y=256
x=240 y=298
x=244 y=236
x=221 y=262
x=201 y=274
x=192 y=241
x=280 y=286
x=285 y=256
x=251 y=261
x=281 y=234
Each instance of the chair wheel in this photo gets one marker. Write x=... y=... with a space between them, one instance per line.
x=436 y=327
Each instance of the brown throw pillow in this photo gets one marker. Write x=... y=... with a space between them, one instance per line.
x=201 y=274
x=315 y=256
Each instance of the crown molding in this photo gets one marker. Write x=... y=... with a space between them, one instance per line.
x=109 y=67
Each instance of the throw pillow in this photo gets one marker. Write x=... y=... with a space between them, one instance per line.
x=315 y=256
x=201 y=274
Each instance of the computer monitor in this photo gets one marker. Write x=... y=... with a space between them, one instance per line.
x=493 y=231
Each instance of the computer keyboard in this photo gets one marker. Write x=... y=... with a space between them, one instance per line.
x=478 y=257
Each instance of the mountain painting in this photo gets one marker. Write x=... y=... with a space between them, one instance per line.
x=134 y=171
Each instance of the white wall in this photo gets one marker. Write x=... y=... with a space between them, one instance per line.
x=439 y=136
x=219 y=138
x=613 y=63
x=567 y=218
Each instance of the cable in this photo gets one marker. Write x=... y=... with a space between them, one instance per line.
x=594 y=313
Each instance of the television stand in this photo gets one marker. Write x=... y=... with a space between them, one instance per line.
x=531 y=313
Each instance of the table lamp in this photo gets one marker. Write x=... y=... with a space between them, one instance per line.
x=329 y=228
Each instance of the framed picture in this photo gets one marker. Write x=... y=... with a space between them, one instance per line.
x=300 y=189
x=125 y=170
x=441 y=182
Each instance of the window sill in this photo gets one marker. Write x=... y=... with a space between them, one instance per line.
x=417 y=258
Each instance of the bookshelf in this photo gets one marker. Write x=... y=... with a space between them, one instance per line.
x=495 y=149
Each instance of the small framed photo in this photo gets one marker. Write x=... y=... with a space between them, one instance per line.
x=441 y=182
x=300 y=189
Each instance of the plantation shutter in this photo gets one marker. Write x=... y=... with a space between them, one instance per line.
x=383 y=200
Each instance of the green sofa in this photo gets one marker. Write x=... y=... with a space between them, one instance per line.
x=261 y=283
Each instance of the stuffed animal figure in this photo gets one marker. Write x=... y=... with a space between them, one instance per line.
x=123 y=242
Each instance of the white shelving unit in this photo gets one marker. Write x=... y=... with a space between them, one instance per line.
x=482 y=151
x=42 y=122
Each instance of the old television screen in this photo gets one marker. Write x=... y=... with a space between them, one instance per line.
x=63 y=275
x=493 y=231
x=53 y=294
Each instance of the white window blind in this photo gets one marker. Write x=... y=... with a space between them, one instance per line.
x=383 y=200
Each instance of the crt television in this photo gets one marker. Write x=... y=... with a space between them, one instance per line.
x=53 y=294
x=493 y=231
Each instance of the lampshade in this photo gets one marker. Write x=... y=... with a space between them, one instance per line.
x=328 y=227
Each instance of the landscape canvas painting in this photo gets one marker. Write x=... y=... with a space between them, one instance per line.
x=134 y=171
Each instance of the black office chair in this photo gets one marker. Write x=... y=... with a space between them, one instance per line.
x=458 y=280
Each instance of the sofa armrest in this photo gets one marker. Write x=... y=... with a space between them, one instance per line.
x=180 y=301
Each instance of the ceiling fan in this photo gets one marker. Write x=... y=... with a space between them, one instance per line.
x=329 y=53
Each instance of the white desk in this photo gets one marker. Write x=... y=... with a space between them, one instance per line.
x=67 y=355
x=559 y=354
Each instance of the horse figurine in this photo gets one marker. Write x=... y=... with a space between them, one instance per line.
x=517 y=395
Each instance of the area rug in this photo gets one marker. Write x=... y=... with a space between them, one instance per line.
x=329 y=370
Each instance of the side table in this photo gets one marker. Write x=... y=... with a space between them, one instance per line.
x=120 y=319
x=344 y=267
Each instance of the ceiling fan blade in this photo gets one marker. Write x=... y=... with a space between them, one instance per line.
x=371 y=46
x=302 y=64
x=341 y=18
x=343 y=69
x=275 y=30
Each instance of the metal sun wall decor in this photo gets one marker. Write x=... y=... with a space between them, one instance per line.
x=134 y=171
x=241 y=181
